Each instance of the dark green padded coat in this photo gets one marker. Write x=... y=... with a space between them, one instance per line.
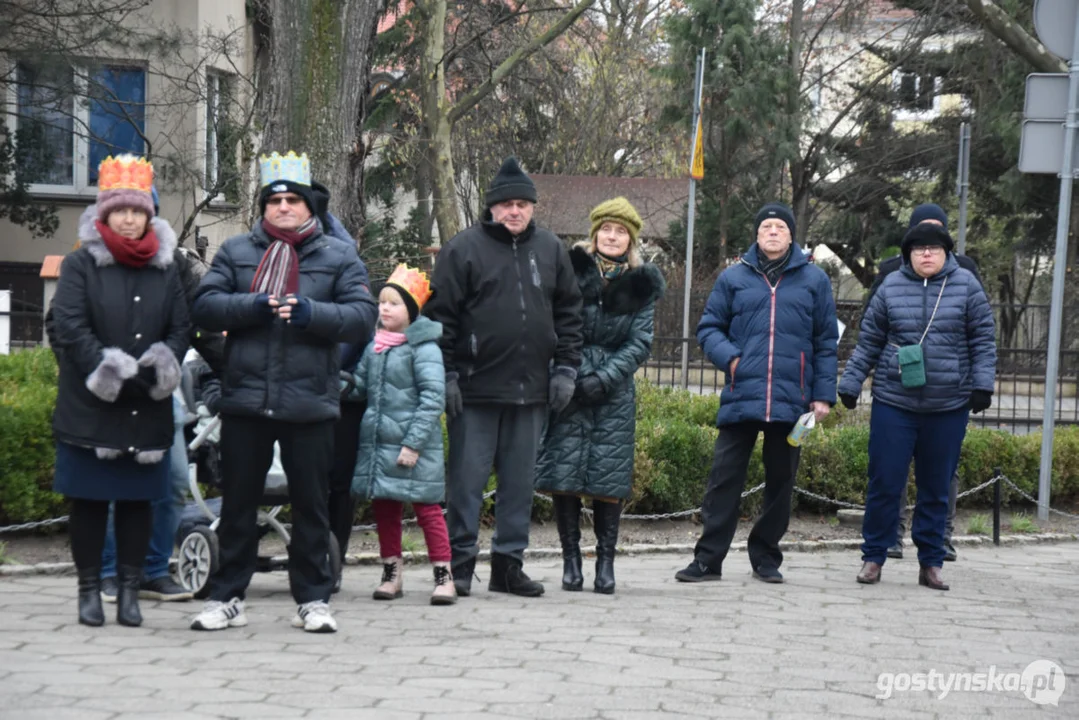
x=588 y=449
x=405 y=388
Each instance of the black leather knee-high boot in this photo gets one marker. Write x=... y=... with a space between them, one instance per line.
x=606 y=516
x=567 y=513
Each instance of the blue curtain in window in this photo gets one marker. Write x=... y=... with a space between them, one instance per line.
x=117 y=114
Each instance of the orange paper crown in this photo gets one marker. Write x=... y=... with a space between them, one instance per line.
x=413 y=281
x=125 y=172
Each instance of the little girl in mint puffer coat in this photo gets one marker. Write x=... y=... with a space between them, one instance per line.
x=400 y=457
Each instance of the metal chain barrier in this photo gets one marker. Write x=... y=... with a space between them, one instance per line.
x=33 y=525
x=1031 y=499
x=649 y=517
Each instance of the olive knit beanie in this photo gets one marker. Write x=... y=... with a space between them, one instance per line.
x=618 y=210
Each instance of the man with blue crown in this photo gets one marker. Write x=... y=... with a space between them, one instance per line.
x=287 y=294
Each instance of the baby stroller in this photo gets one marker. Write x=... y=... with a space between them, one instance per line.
x=197 y=539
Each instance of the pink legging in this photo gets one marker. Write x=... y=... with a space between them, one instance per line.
x=388 y=520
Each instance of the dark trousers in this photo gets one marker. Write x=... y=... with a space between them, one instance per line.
x=346 y=443
x=88 y=524
x=506 y=437
x=246 y=455
x=727 y=480
x=934 y=441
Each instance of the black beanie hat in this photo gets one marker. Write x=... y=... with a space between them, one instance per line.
x=287 y=186
x=511 y=183
x=321 y=196
x=929 y=235
x=774 y=210
x=406 y=297
x=928 y=211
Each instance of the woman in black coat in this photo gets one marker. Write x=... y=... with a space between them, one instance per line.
x=120 y=330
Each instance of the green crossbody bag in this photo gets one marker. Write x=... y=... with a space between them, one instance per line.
x=911 y=359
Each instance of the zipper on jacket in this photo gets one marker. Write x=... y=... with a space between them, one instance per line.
x=524 y=314
x=771 y=349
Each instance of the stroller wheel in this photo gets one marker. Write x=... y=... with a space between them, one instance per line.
x=198 y=560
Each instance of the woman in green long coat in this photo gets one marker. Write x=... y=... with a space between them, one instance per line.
x=588 y=449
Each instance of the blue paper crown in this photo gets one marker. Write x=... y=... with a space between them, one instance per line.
x=292 y=168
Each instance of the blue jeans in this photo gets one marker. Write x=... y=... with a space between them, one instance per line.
x=934 y=441
x=166 y=511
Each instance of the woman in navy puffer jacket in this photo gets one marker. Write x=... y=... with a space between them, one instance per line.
x=938 y=310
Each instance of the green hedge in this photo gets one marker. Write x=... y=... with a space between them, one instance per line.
x=675 y=438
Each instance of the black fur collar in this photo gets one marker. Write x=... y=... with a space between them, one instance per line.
x=632 y=291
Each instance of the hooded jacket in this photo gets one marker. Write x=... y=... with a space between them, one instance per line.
x=272 y=368
x=588 y=449
x=784 y=334
x=959 y=351
x=107 y=319
x=509 y=307
x=404 y=388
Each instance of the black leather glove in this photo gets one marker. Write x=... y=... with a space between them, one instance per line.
x=590 y=390
x=139 y=386
x=849 y=401
x=980 y=400
x=348 y=383
x=561 y=388
x=454 y=403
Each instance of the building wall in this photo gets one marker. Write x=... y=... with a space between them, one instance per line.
x=175 y=127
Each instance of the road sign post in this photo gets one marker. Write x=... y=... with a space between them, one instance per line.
x=1057 y=23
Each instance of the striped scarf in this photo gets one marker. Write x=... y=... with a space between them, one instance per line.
x=278 y=273
x=772 y=269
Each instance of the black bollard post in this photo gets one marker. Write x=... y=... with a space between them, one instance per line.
x=996 y=508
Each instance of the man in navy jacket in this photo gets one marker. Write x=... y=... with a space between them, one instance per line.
x=770 y=325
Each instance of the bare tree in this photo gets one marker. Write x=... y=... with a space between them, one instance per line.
x=313 y=71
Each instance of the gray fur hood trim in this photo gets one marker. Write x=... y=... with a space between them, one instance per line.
x=91 y=240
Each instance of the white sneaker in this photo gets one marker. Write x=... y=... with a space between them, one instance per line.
x=315 y=617
x=218 y=615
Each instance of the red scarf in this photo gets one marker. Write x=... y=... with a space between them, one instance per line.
x=134 y=253
x=278 y=273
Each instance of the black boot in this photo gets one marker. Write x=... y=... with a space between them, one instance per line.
x=507 y=576
x=90 y=612
x=462 y=577
x=605 y=516
x=567 y=513
x=127 y=600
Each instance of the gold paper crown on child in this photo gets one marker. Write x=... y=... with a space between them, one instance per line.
x=291 y=168
x=125 y=172
x=413 y=281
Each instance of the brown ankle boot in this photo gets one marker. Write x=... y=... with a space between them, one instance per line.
x=870 y=573
x=932 y=578
x=445 y=593
x=390 y=589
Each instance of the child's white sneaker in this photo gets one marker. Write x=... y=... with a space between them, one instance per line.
x=315 y=617
x=220 y=615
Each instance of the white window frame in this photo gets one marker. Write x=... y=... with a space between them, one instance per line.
x=211 y=156
x=80 y=185
x=904 y=114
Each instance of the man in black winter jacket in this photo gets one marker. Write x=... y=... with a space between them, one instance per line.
x=287 y=294
x=934 y=214
x=510 y=308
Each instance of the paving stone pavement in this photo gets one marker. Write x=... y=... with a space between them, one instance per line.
x=813 y=647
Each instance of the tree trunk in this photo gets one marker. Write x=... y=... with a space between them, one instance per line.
x=439 y=116
x=798 y=166
x=436 y=120
x=313 y=82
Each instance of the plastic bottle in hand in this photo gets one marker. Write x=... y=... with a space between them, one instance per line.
x=801 y=429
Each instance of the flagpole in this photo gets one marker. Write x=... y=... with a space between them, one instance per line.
x=696 y=170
